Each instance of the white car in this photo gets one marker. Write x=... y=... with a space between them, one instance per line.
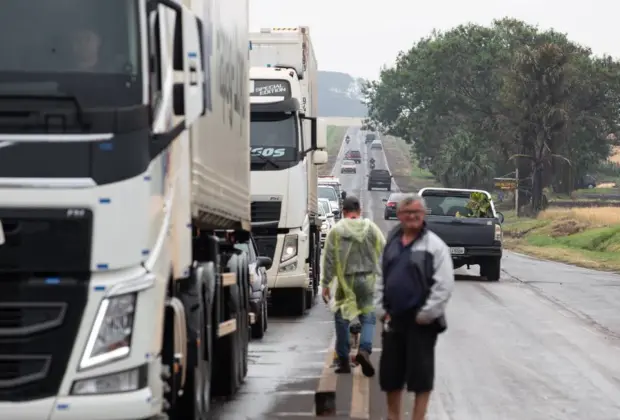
x=376 y=144
x=348 y=166
x=327 y=217
x=329 y=193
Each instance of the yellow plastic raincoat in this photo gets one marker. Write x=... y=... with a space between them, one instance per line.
x=352 y=255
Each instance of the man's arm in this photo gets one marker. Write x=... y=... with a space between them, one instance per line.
x=443 y=276
x=328 y=264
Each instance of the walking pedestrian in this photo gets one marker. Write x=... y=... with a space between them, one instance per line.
x=418 y=278
x=352 y=255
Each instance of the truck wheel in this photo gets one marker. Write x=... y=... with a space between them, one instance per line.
x=258 y=329
x=194 y=401
x=244 y=314
x=227 y=367
x=491 y=269
x=317 y=277
x=299 y=301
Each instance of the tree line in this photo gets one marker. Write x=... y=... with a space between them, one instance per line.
x=477 y=102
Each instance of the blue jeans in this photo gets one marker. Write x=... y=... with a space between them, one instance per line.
x=343 y=348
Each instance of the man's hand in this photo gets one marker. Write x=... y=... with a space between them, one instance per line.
x=423 y=319
x=326 y=295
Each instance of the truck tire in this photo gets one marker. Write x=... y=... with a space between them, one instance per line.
x=194 y=402
x=491 y=268
x=298 y=301
x=260 y=326
x=227 y=368
x=245 y=312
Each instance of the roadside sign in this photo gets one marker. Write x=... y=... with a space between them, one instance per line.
x=506 y=184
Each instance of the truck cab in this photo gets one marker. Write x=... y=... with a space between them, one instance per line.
x=281 y=153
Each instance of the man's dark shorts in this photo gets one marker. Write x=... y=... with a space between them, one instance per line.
x=408 y=356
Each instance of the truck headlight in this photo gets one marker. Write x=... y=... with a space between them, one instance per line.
x=324 y=226
x=125 y=381
x=498 y=233
x=110 y=337
x=289 y=249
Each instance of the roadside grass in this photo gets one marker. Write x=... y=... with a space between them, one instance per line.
x=335 y=135
x=588 y=237
x=405 y=166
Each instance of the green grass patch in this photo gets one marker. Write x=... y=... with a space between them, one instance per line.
x=335 y=135
x=578 y=236
x=420 y=177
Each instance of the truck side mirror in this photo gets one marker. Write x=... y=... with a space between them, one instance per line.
x=500 y=217
x=343 y=195
x=321 y=134
x=189 y=95
x=319 y=157
x=265 y=262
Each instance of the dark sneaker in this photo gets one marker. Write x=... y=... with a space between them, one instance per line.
x=344 y=366
x=363 y=358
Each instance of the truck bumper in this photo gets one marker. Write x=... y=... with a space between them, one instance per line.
x=122 y=406
x=476 y=253
x=293 y=279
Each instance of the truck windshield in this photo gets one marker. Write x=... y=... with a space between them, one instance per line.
x=274 y=139
x=329 y=193
x=86 y=48
x=448 y=204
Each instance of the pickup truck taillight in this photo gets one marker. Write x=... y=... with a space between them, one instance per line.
x=498 y=233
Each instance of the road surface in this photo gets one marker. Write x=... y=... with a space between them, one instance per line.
x=543 y=343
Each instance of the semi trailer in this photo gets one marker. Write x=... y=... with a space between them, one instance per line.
x=124 y=176
x=288 y=142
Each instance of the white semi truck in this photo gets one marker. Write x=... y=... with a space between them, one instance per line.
x=124 y=157
x=288 y=143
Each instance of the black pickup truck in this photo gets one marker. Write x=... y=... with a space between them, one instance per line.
x=472 y=240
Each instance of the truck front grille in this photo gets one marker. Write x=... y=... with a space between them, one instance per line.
x=44 y=277
x=39 y=321
x=266 y=211
x=266 y=245
x=45 y=240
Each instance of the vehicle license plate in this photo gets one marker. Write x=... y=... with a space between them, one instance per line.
x=457 y=251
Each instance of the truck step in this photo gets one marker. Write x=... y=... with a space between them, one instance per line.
x=227 y=327
x=229 y=279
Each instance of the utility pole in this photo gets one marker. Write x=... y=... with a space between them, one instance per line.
x=517 y=191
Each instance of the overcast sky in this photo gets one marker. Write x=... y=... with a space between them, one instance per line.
x=359 y=36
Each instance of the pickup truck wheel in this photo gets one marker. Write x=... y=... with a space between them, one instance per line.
x=491 y=269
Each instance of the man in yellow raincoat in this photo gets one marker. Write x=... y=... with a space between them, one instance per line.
x=352 y=260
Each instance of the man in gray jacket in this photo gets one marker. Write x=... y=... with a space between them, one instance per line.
x=418 y=278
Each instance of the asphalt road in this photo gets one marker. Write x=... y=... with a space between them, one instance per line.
x=543 y=343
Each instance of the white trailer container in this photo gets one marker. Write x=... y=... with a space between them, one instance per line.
x=124 y=172
x=284 y=191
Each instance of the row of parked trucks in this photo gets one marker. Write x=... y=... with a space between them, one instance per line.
x=133 y=163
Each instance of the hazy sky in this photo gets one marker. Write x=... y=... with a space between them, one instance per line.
x=359 y=36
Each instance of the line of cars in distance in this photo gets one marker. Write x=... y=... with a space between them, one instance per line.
x=331 y=195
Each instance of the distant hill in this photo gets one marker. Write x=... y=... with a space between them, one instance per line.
x=340 y=95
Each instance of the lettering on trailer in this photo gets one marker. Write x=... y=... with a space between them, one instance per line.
x=232 y=73
x=268 y=151
x=271 y=88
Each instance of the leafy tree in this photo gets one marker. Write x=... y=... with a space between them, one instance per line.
x=476 y=101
